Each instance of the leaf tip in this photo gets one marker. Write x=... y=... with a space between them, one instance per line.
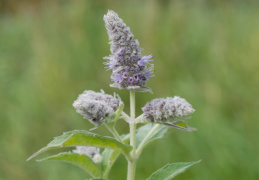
x=32 y=156
x=40 y=160
x=198 y=161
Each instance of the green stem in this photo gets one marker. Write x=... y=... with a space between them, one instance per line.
x=144 y=141
x=114 y=132
x=132 y=162
x=131 y=169
x=138 y=119
x=125 y=117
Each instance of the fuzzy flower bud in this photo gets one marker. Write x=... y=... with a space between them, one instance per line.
x=91 y=152
x=97 y=107
x=167 y=109
x=129 y=69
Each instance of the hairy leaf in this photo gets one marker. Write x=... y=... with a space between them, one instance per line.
x=144 y=130
x=84 y=138
x=110 y=156
x=169 y=171
x=80 y=160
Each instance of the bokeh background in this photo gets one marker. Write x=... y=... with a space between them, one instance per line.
x=205 y=51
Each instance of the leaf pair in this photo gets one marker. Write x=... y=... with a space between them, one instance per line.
x=83 y=138
x=111 y=152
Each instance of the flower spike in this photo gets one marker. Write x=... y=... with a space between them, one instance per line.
x=97 y=107
x=129 y=69
x=164 y=110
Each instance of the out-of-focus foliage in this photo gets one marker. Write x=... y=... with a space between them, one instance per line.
x=204 y=52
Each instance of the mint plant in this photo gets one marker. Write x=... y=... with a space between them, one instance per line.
x=96 y=154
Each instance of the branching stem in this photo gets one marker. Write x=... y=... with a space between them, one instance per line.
x=126 y=117
x=138 y=119
x=112 y=129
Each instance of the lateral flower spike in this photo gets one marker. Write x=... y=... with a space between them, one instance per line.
x=129 y=69
x=97 y=107
x=168 y=109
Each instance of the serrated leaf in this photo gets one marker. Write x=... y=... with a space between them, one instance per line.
x=79 y=160
x=169 y=171
x=110 y=156
x=84 y=138
x=144 y=130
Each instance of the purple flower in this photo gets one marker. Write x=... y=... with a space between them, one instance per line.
x=131 y=80
x=136 y=77
x=121 y=51
x=148 y=75
x=118 y=78
x=125 y=58
x=125 y=75
x=144 y=60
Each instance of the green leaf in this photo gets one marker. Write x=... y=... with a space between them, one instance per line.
x=84 y=138
x=110 y=156
x=169 y=171
x=180 y=124
x=117 y=114
x=81 y=161
x=144 y=130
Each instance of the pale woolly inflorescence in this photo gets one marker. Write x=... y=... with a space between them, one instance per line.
x=91 y=152
x=97 y=106
x=129 y=69
x=167 y=109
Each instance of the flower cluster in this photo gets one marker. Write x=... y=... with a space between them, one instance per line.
x=166 y=109
x=91 y=152
x=129 y=69
x=97 y=107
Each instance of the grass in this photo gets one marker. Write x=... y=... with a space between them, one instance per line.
x=206 y=53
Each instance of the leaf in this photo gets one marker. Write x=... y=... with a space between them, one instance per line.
x=169 y=171
x=180 y=125
x=110 y=156
x=84 y=138
x=117 y=114
x=144 y=130
x=81 y=161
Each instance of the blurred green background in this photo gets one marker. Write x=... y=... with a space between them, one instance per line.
x=205 y=51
